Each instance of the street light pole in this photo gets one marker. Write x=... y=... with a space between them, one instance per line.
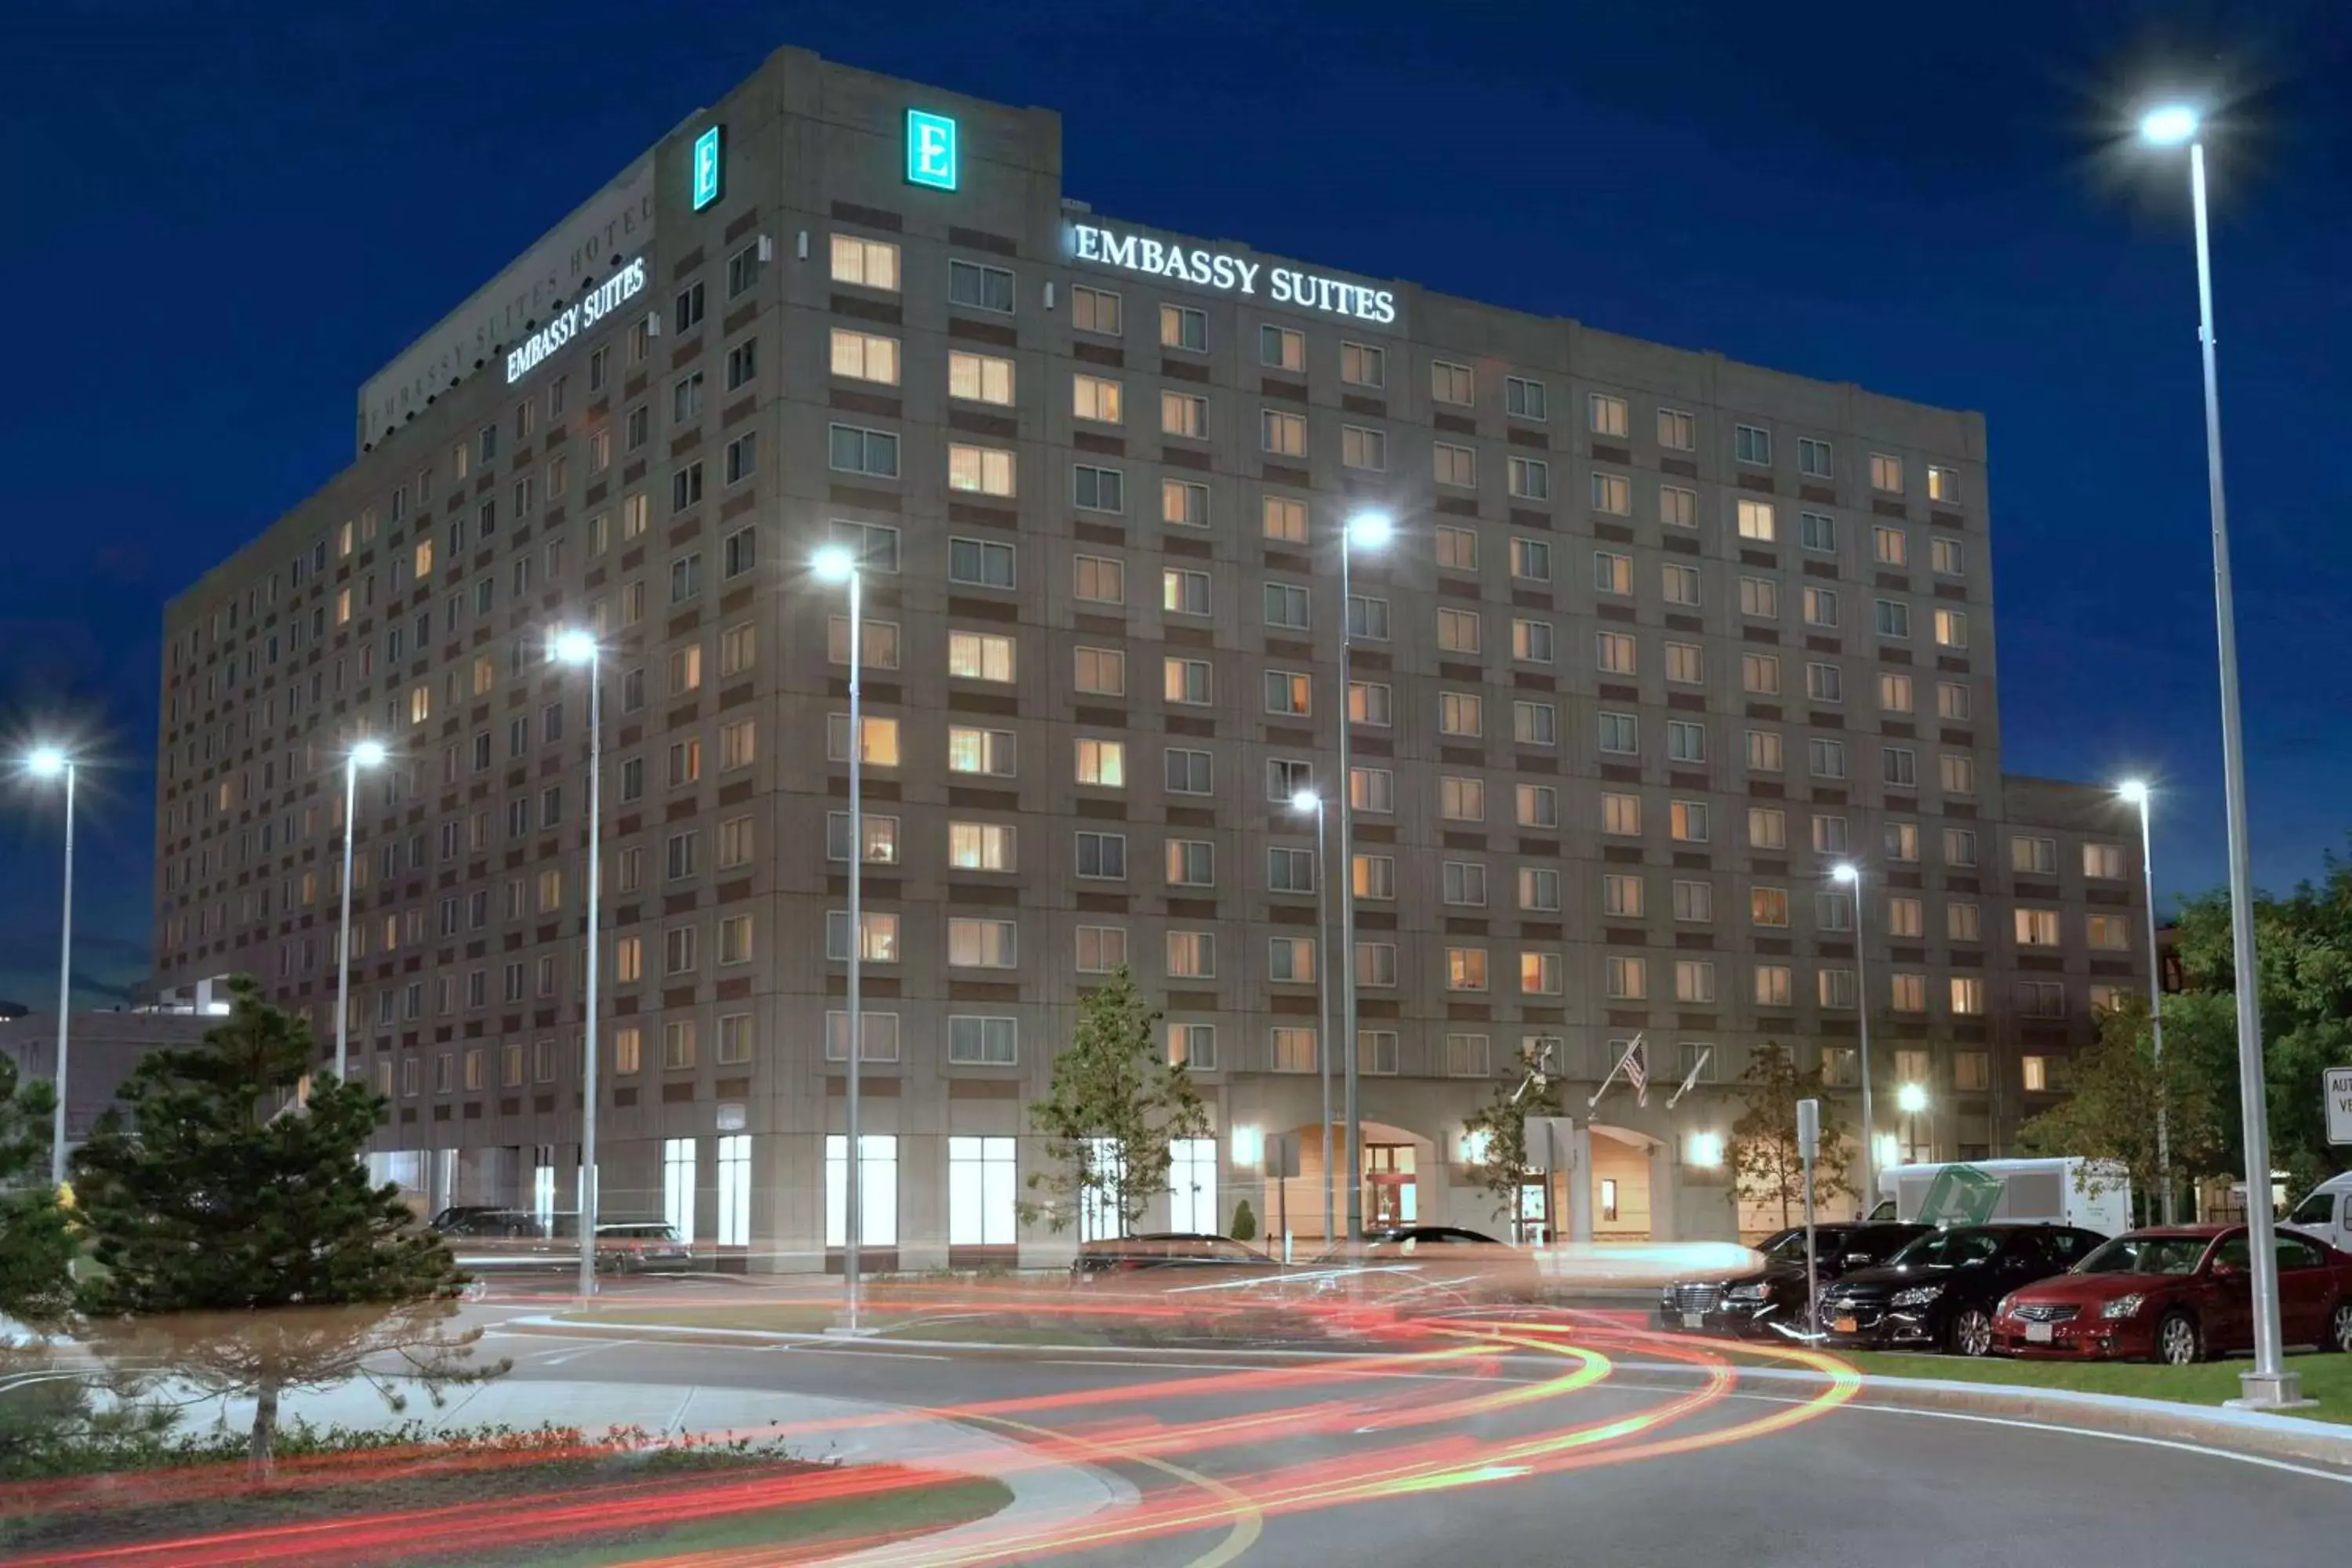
x=1851 y=874
x=1303 y=801
x=835 y=563
x=48 y=762
x=581 y=648
x=2269 y=1384
x=366 y=754
x=2137 y=794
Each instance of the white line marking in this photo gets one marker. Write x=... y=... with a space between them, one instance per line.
x=2263 y=1461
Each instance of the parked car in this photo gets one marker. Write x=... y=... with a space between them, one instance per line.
x=635 y=1245
x=2178 y=1294
x=1941 y=1290
x=1763 y=1302
x=1167 y=1260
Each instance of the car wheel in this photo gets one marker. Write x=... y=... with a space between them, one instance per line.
x=2339 y=1328
x=1971 y=1333
x=2179 y=1341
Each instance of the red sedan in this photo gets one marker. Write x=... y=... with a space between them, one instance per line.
x=2178 y=1294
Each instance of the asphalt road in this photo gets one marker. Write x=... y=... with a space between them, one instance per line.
x=1539 y=1456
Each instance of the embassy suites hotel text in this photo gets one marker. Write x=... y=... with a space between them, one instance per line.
x=1658 y=639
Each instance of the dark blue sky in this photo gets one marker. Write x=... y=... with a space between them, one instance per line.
x=224 y=216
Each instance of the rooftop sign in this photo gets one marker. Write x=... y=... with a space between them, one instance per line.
x=574 y=319
x=1228 y=273
x=931 y=150
x=709 y=166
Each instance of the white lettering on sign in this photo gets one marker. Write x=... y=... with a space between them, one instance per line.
x=2337 y=1088
x=1230 y=274
x=568 y=323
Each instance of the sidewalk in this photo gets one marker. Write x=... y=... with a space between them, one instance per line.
x=1046 y=1497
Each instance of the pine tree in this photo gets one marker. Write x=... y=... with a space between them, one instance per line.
x=36 y=1244
x=1767 y=1165
x=242 y=1245
x=1115 y=1105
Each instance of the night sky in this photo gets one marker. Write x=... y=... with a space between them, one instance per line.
x=223 y=217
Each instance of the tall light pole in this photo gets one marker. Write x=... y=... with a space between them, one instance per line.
x=579 y=648
x=48 y=762
x=1368 y=531
x=1312 y=801
x=2137 y=792
x=837 y=563
x=2270 y=1383
x=1848 y=874
x=365 y=754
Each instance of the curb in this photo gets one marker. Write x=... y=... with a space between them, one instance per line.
x=2260 y=1433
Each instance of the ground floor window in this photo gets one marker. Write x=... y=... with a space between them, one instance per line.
x=1389 y=1189
x=735 y=1190
x=1192 y=1186
x=1099 y=1207
x=678 y=1186
x=542 y=1185
x=981 y=1192
x=878 y=1180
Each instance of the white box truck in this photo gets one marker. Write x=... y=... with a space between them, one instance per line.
x=2326 y=1213
x=2093 y=1193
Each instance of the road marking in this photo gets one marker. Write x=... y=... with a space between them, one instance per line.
x=1248 y=1519
x=2181 y=1444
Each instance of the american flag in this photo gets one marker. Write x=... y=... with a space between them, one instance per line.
x=1637 y=1073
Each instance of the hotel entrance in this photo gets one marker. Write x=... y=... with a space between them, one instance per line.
x=1389 y=1189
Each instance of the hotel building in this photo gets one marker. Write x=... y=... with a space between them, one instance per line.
x=1658 y=639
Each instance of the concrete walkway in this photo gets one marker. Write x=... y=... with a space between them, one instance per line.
x=1046 y=1497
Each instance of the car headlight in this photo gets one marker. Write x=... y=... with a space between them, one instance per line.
x=2123 y=1305
x=2001 y=1311
x=1668 y=1300
x=1756 y=1291
x=1917 y=1295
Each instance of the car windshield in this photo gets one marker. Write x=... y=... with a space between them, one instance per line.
x=1789 y=1247
x=2146 y=1255
x=1949 y=1249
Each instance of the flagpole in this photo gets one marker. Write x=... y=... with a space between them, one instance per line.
x=1697 y=1068
x=1622 y=1061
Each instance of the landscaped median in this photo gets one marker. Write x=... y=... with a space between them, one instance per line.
x=2326 y=1379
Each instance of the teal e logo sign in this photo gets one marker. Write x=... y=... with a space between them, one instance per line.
x=931 y=150
x=709 y=159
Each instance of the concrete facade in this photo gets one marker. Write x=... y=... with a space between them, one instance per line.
x=1659 y=638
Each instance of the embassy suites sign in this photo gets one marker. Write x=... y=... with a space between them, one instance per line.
x=1227 y=273
x=572 y=319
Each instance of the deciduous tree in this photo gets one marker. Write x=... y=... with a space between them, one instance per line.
x=1115 y=1106
x=1767 y=1165
x=1497 y=1132
x=2113 y=1090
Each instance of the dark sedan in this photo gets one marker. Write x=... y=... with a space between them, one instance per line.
x=1770 y=1300
x=1167 y=1260
x=2178 y=1294
x=1940 y=1292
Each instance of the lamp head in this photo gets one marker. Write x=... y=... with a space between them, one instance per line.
x=2133 y=791
x=834 y=563
x=1371 y=530
x=1307 y=800
x=47 y=762
x=572 y=648
x=369 y=754
x=1910 y=1099
x=2168 y=125
x=1845 y=871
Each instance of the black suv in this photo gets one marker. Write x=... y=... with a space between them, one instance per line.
x=1940 y=1293
x=1770 y=1300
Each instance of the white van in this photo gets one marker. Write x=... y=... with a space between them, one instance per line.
x=2326 y=1213
x=2044 y=1192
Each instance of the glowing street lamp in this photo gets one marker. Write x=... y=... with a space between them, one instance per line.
x=579 y=649
x=1362 y=530
x=50 y=762
x=365 y=754
x=837 y=563
x=2269 y=1384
